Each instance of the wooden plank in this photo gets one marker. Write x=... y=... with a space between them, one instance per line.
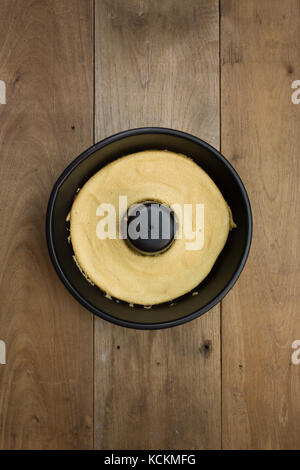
x=157 y=64
x=46 y=60
x=260 y=135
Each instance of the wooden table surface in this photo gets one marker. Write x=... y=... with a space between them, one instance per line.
x=77 y=71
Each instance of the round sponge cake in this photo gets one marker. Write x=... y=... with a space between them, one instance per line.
x=121 y=271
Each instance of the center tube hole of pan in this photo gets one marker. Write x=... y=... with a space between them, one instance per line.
x=150 y=227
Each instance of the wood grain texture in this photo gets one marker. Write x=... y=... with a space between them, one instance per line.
x=260 y=135
x=157 y=64
x=46 y=60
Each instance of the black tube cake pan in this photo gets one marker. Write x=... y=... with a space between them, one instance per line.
x=227 y=268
